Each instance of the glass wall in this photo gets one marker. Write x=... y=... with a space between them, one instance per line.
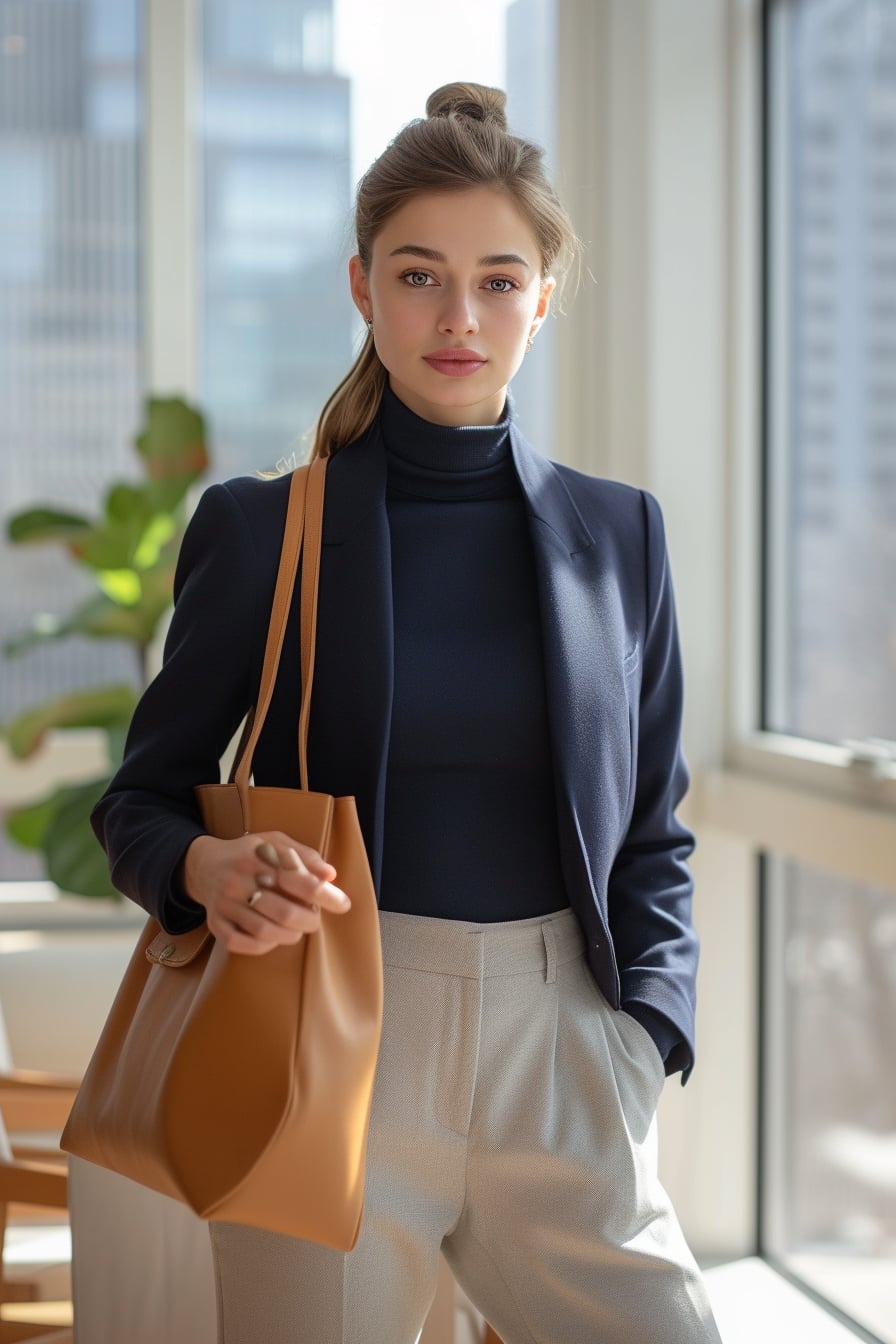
x=829 y=1207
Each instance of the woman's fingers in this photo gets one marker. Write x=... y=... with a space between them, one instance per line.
x=292 y=876
x=311 y=859
x=275 y=922
x=278 y=918
x=297 y=912
x=261 y=891
x=268 y=854
x=235 y=940
x=280 y=850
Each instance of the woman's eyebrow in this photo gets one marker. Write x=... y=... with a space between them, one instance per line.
x=428 y=254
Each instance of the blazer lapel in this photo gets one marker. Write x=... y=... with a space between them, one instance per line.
x=580 y=620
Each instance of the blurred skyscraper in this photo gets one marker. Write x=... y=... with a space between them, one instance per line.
x=70 y=386
x=832 y=302
x=278 y=318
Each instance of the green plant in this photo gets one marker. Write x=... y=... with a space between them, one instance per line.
x=130 y=550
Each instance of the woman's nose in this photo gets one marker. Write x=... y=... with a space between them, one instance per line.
x=458 y=315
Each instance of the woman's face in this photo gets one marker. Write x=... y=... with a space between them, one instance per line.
x=453 y=276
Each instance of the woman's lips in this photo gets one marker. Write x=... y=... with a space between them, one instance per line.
x=455 y=363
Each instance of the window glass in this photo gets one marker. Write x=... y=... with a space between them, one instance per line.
x=830 y=1186
x=70 y=130
x=831 y=303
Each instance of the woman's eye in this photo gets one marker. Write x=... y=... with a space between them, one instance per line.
x=506 y=285
x=418 y=279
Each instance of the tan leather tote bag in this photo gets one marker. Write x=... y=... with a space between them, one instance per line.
x=242 y=1085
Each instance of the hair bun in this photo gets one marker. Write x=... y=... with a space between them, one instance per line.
x=476 y=101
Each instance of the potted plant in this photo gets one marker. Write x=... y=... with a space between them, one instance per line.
x=130 y=550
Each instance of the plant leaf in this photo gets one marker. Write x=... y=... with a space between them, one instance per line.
x=28 y=825
x=97 y=707
x=59 y=826
x=73 y=859
x=158 y=532
x=109 y=545
x=125 y=501
x=122 y=585
x=172 y=445
x=46 y=524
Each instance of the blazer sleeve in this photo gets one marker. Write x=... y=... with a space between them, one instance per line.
x=650 y=885
x=187 y=716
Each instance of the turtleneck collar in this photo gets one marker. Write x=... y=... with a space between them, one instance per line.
x=443 y=447
x=445 y=462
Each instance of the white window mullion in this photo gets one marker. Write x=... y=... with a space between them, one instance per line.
x=171 y=198
x=781 y=613
x=584 y=72
x=743 y=427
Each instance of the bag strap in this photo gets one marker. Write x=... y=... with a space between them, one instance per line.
x=304 y=523
x=314 y=520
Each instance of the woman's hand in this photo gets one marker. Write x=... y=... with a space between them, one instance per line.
x=260 y=891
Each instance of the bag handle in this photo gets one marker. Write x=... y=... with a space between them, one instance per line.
x=314 y=521
x=304 y=523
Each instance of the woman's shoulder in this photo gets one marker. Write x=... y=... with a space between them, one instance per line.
x=241 y=518
x=253 y=506
x=258 y=497
x=583 y=486
x=628 y=512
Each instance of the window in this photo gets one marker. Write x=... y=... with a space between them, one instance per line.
x=829 y=1180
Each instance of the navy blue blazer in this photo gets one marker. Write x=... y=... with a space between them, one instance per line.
x=614 y=687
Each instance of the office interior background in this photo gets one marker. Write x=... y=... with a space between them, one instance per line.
x=176 y=180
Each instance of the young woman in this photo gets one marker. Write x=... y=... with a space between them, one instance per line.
x=498 y=683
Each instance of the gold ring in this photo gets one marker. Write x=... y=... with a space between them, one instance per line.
x=255 y=897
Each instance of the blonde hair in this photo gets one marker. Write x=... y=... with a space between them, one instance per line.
x=463 y=142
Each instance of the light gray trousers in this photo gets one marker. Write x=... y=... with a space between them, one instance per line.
x=513 y=1128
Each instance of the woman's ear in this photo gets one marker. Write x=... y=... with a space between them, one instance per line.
x=357 y=279
x=548 y=285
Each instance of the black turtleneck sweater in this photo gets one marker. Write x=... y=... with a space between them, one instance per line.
x=470 y=817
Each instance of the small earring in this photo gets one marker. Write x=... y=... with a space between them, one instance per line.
x=529 y=344
x=369 y=321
